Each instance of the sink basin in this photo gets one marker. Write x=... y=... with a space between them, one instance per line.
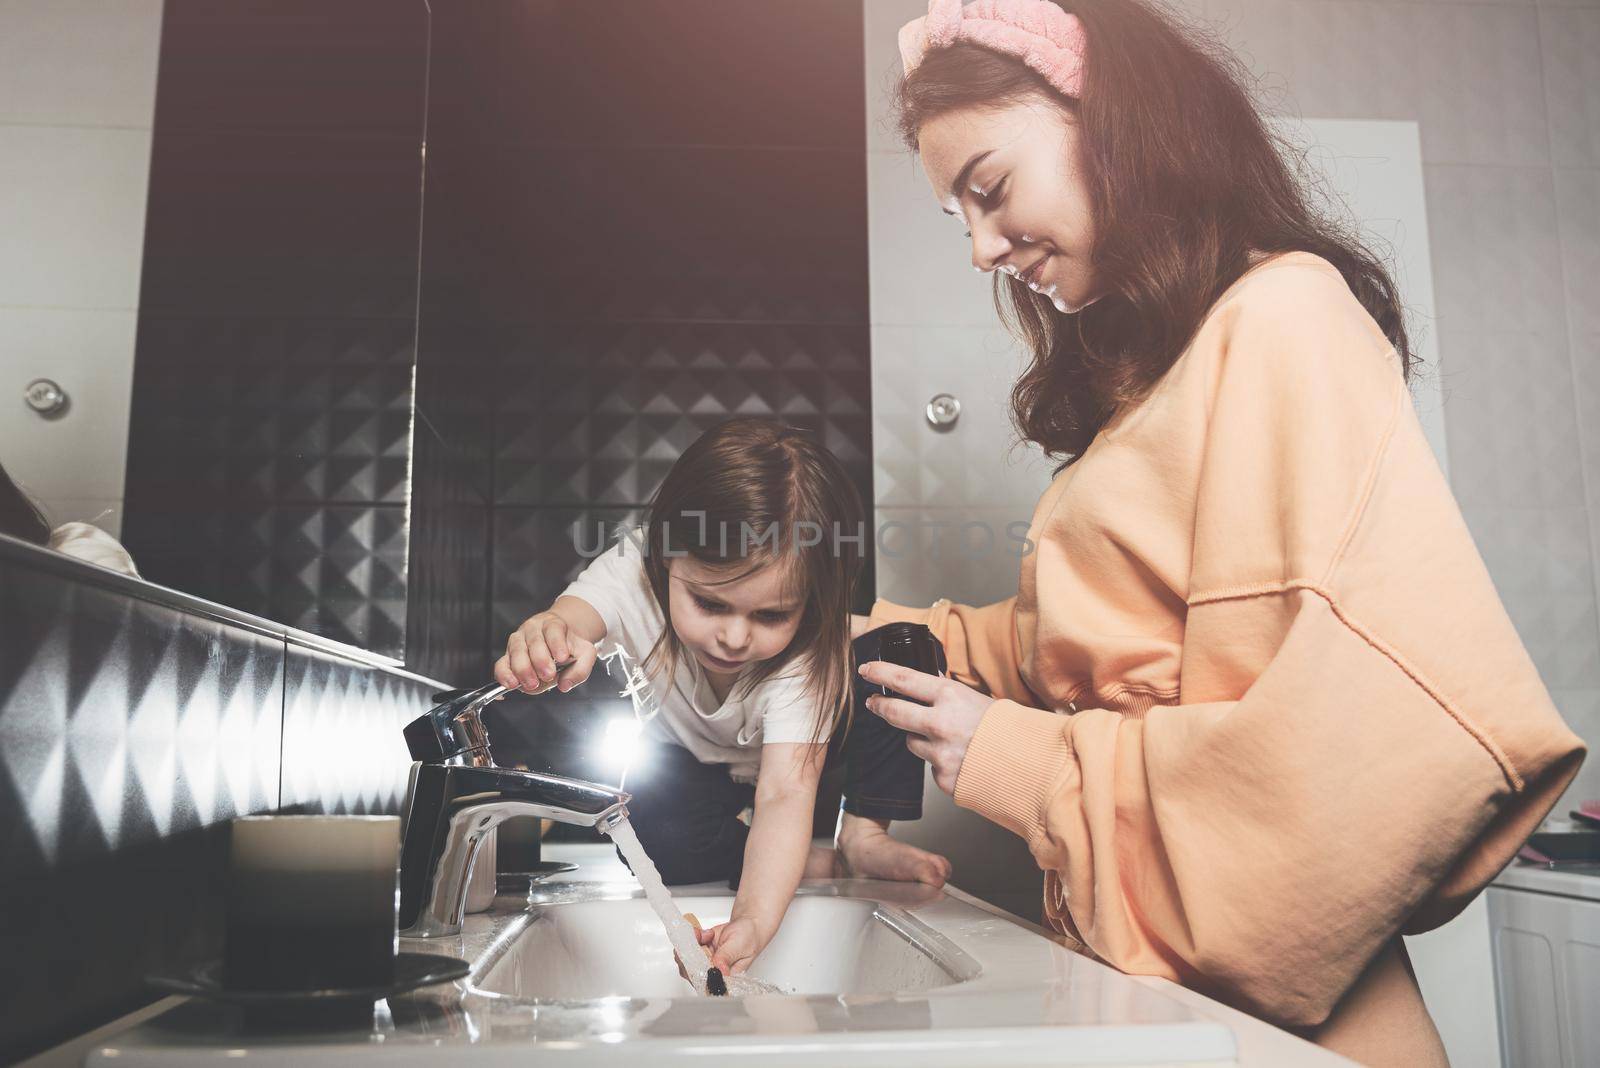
x=827 y=945
x=578 y=972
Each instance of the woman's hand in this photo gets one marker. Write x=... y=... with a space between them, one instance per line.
x=735 y=945
x=941 y=727
x=859 y=625
x=545 y=651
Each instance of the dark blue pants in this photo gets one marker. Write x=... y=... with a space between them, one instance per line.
x=686 y=813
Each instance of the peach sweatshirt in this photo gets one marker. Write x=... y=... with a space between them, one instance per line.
x=1260 y=709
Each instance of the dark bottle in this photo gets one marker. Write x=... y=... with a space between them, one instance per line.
x=911 y=645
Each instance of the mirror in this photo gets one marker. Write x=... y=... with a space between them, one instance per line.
x=208 y=297
x=633 y=230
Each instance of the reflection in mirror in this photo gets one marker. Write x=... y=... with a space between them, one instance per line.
x=210 y=316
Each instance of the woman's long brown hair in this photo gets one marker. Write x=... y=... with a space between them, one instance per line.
x=1186 y=182
x=752 y=493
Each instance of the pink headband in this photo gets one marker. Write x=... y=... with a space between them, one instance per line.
x=1049 y=40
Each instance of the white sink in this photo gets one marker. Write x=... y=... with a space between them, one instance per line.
x=827 y=945
x=579 y=972
x=883 y=974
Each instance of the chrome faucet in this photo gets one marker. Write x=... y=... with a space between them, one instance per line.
x=458 y=795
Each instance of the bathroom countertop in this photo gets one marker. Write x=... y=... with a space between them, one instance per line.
x=1542 y=880
x=1078 y=1012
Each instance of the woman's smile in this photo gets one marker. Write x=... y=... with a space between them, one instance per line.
x=1032 y=275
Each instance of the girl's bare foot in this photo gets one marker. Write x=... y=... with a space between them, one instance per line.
x=869 y=852
x=822 y=863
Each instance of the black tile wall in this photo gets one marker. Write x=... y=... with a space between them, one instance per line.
x=131 y=730
x=249 y=222
x=653 y=71
x=272 y=397
x=288 y=66
x=343 y=750
x=540 y=550
x=643 y=217
x=447 y=587
x=122 y=722
x=597 y=413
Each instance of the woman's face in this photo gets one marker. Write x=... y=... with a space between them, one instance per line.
x=1014 y=175
x=729 y=626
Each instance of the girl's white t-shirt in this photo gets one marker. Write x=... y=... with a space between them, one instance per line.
x=727 y=732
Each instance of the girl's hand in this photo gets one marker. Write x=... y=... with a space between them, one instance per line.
x=941 y=727
x=543 y=652
x=859 y=625
x=736 y=944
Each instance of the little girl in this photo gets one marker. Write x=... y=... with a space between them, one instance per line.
x=735 y=595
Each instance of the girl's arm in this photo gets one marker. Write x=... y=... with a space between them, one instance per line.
x=775 y=855
x=566 y=633
x=581 y=617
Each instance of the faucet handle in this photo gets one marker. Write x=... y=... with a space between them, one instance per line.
x=453 y=731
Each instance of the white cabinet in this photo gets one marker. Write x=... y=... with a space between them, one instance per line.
x=1547 y=972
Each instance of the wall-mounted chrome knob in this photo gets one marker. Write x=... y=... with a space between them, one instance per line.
x=45 y=397
x=943 y=411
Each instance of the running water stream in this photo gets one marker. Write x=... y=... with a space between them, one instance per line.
x=679 y=931
x=636 y=687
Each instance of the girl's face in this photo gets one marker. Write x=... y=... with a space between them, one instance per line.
x=1015 y=176
x=731 y=625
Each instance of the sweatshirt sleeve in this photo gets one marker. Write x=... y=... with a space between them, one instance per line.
x=1361 y=742
x=980 y=643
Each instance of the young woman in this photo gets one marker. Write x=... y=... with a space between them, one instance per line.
x=735 y=595
x=1256 y=707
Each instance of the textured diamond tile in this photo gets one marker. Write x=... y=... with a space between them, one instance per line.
x=129 y=733
x=271 y=410
x=454 y=398
x=340 y=569
x=969 y=463
x=611 y=406
x=268 y=467
x=123 y=721
x=537 y=551
x=343 y=751
x=447 y=582
x=1496 y=249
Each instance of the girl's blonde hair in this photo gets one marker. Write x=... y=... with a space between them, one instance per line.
x=751 y=493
